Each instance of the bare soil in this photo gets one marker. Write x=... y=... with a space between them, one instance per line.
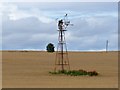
x=30 y=69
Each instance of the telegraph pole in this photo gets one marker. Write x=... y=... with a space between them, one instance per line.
x=107 y=46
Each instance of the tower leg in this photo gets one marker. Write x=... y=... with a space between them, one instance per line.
x=62 y=60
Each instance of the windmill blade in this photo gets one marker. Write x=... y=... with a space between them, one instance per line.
x=65 y=15
x=56 y=19
x=72 y=24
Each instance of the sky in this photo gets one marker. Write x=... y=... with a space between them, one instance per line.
x=32 y=25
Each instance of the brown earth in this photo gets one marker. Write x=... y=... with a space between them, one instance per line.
x=31 y=70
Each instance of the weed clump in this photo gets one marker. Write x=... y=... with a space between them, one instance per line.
x=76 y=72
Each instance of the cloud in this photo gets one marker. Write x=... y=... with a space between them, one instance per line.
x=60 y=1
x=33 y=25
x=27 y=33
x=14 y=13
x=19 y=14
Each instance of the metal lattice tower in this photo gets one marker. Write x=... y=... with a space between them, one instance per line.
x=62 y=60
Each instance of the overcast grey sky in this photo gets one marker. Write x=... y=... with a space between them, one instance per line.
x=32 y=25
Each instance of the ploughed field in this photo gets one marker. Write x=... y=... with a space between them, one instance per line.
x=30 y=69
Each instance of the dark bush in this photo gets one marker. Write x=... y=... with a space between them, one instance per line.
x=50 y=47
